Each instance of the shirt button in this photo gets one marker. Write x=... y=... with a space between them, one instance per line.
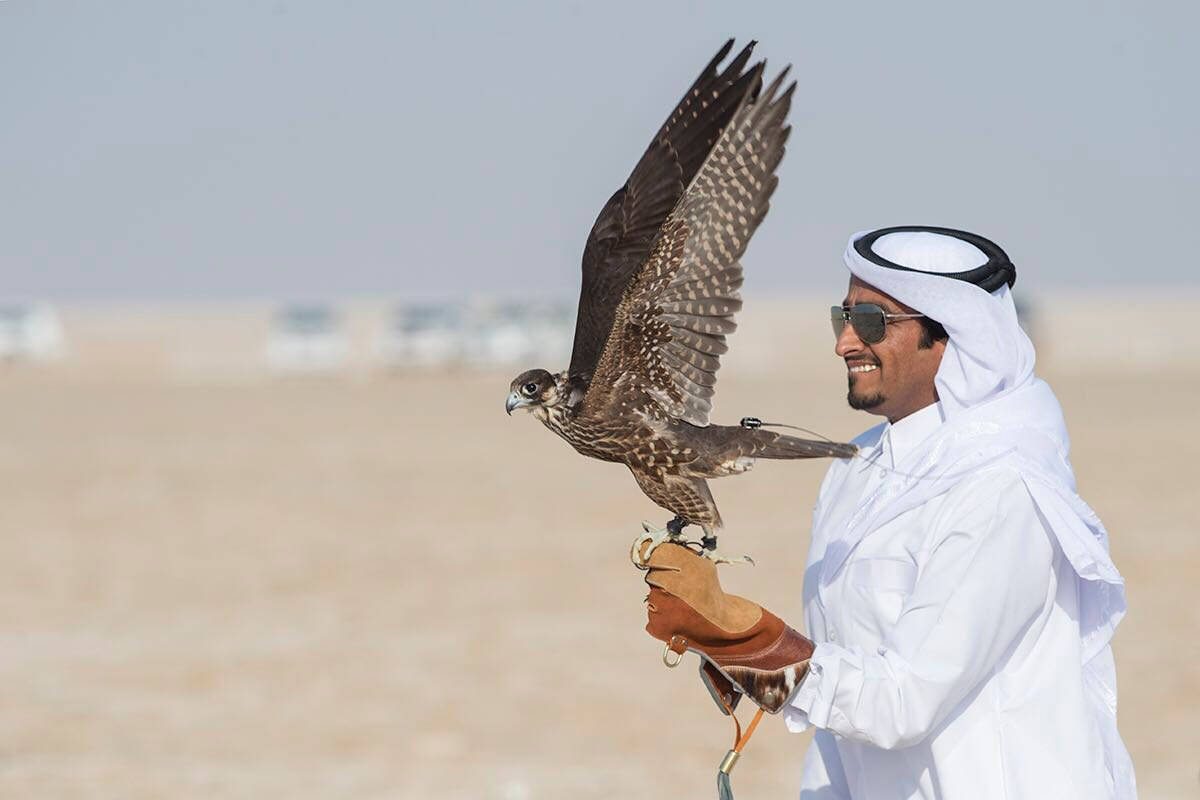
x=833 y=634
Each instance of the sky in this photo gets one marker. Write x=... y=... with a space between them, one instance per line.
x=218 y=149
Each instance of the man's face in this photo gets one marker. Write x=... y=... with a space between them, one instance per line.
x=893 y=377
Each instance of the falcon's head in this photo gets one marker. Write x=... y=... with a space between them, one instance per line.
x=532 y=389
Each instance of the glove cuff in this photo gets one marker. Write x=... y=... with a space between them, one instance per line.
x=766 y=662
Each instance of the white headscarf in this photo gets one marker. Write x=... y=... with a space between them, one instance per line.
x=995 y=411
x=988 y=354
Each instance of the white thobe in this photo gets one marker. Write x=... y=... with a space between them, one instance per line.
x=948 y=647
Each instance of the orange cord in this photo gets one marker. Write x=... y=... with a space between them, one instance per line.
x=741 y=742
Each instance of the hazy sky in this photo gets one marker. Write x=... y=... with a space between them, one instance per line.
x=305 y=149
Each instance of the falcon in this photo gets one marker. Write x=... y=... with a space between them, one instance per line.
x=660 y=290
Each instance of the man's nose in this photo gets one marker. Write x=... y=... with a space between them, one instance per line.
x=847 y=342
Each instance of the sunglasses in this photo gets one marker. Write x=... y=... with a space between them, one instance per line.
x=868 y=320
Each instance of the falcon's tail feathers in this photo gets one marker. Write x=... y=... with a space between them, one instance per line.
x=777 y=445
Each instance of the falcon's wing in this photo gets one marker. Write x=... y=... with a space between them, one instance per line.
x=623 y=234
x=669 y=329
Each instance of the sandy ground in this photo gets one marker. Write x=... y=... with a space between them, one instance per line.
x=378 y=586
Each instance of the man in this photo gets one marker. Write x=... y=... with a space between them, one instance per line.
x=959 y=593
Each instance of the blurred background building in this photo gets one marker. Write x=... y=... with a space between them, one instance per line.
x=30 y=332
x=306 y=338
x=423 y=335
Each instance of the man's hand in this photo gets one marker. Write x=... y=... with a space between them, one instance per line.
x=744 y=649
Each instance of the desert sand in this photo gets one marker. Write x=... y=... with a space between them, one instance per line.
x=219 y=583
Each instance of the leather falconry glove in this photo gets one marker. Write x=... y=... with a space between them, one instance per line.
x=743 y=648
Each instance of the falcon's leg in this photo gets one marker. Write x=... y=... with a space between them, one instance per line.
x=653 y=538
x=708 y=549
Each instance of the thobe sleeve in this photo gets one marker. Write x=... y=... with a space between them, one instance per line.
x=985 y=576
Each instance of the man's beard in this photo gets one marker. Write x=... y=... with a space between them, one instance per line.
x=863 y=402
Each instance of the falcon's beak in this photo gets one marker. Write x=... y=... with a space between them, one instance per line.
x=514 y=401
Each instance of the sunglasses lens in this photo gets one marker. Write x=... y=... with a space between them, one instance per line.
x=867 y=319
x=869 y=322
x=838 y=317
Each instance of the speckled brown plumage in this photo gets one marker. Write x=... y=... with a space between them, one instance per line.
x=661 y=275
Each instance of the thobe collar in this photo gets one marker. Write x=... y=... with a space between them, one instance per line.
x=900 y=438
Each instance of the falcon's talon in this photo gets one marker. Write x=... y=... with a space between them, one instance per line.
x=653 y=538
x=717 y=557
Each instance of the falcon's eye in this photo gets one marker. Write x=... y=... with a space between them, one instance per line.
x=530 y=389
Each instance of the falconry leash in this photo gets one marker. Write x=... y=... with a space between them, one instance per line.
x=724 y=788
x=740 y=739
x=754 y=423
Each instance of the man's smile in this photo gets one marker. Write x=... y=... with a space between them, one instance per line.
x=859 y=365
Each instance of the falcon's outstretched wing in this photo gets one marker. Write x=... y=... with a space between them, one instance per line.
x=624 y=232
x=669 y=329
